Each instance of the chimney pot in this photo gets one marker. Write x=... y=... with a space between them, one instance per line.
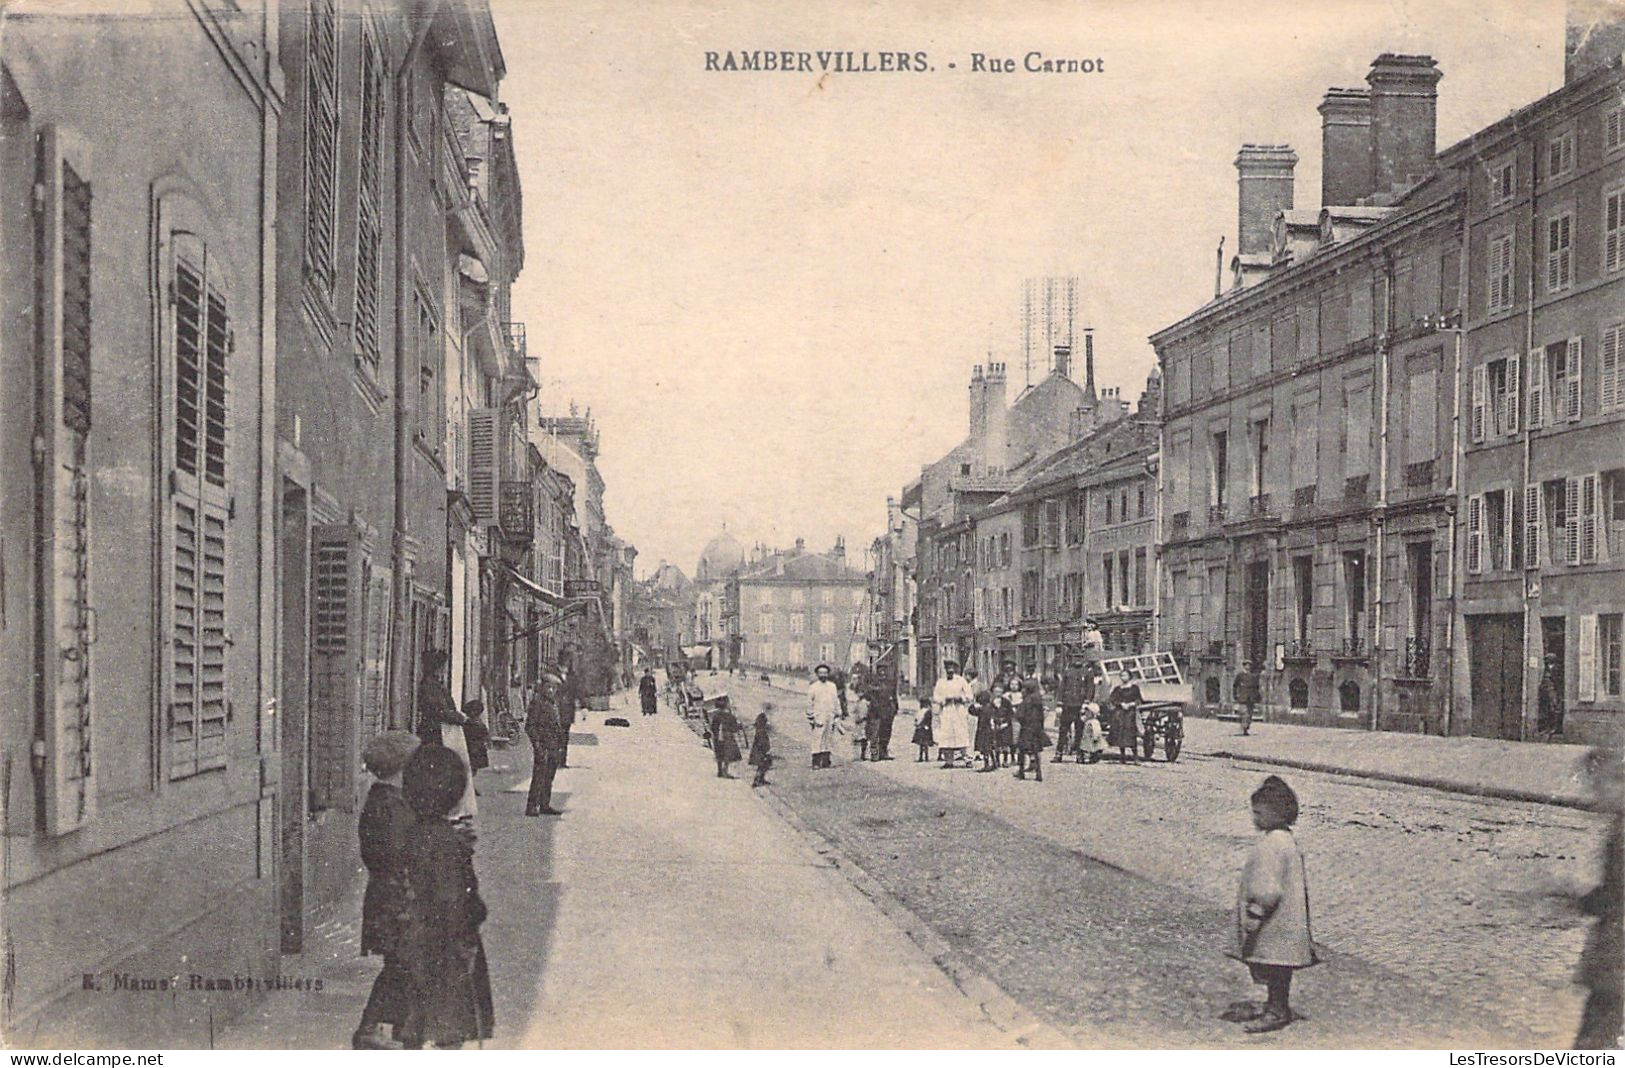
x=1264 y=180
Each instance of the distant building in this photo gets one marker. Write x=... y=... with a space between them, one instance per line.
x=798 y=609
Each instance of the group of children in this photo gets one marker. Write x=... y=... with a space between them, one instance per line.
x=1009 y=729
x=722 y=732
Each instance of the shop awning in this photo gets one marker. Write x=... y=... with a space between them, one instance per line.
x=552 y=600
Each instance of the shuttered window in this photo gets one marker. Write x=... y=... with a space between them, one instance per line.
x=1559 y=252
x=331 y=594
x=201 y=342
x=1611 y=369
x=1613 y=231
x=1499 y=281
x=1475 y=535
x=1534 y=527
x=321 y=140
x=369 y=204
x=62 y=264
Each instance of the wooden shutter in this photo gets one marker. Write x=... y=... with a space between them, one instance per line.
x=1480 y=389
x=199 y=507
x=1533 y=526
x=1572 y=379
x=1537 y=387
x=62 y=234
x=375 y=711
x=335 y=664
x=1475 y=534
x=1588 y=518
x=484 y=464
x=1509 y=533
x=1571 y=520
x=1586 y=688
x=1510 y=398
x=1613 y=209
x=369 y=203
x=1611 y=371
x=321 y=140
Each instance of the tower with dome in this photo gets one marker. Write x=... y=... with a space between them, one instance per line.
x=720 y=563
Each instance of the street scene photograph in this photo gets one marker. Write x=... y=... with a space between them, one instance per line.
x=874 y=525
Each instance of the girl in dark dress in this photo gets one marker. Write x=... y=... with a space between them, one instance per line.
x=724 y=737
x=986 y=732
x=386 y=829
x=1032 y=739
x=1004 y=729
x=451 y=985
x=922 y=732
x=761 y=750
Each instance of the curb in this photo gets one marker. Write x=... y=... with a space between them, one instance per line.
x=1501 y=793
x=1028 y=1030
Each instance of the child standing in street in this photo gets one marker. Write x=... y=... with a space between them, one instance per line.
x=984 y=713
x=386 y=828
x=1272 y=910
x=1032 y=739
x=922 y=732
x=761 y=750
x=724 y=736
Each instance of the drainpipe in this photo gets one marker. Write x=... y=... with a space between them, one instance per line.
x=1531 y=576
x=399 y=596
x=1452 y=492
x=1383 y=371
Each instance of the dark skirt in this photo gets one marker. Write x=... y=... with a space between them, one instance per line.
x=985 y=734
x=726 y=747
x=650 y=703
x=922 y=734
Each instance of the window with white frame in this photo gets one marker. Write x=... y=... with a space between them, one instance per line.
x=1559 y=251
x=1556 y=372
x=1490 y=537
x=1495 y=398
x=826 y=596
x=1611 y=486
x=826 y=623
x=1559 y=154
x=1608 y=655
x=1503 y=179
x=796 y=595
x=1613 y=230
x=826 y=652
x=1498 y=273
x=798 y=654
x=798 y=623
x=1572 y=511
x=765 y=627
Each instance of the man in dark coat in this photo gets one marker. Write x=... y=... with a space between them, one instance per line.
x=1246 y=694
x=1549 y=700
x=435 y=705
x=386 y=828
x=648 y=693
x=883 y=709
x=570 y=695
x=546 y=731
x=1075 y=689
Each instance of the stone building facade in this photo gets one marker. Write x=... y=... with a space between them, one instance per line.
x=797 y=609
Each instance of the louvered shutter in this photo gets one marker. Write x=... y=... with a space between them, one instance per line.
x=1475 y=534
x=63 y=360
x=484 y=464
x=1571 y=520
x=1613 y=255
x=1588 y=519
x=1533 y=527
x=321 y=147
x=200 y=504
x=1510 y=399
x=369 y=203
x=1586 y=686
x=335 y=671
x=1611 y=370
x=1537 y=387
x=1509 y=534
x=375 y=712
x=1480 y=389
x=1572 y=380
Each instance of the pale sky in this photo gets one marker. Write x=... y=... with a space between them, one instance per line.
x=770 y=288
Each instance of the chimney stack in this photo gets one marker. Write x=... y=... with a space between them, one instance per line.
x=1264 y=178
x=801 y=545
x=1089 y=362
x=1063 y=360
x=840 y=548
x=995 y=443
x=891 y=515
x=1345 y=147
x=1404 y=106
x=978 y=402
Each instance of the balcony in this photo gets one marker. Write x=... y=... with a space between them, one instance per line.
x=1417 y=660
x=1258 y=506
x=1356 y=488
x=1419 y=474
x=1214 y=650
x=1352 y=650
x=1303 y=499
x=515 y=335
x=1216 y=514
x=517 y=516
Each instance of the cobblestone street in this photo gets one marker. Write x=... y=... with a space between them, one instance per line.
x=1100 y=899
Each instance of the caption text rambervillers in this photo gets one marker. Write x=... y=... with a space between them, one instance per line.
x=847 y=62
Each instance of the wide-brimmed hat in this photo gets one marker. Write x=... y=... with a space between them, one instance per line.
x=387 y=753
x=822 y=667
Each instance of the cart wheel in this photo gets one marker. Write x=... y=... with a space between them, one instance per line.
x=1148 y=745
x=1171 y=746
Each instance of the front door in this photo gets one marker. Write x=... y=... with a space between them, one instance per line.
x=1495 y=665
x=1258 y=612
x=1553 y=632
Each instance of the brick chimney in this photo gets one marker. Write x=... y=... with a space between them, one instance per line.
x=1345 y=147
x=840 y=548
x=1404 y=119
x=1264 y=178
x=1089 y=362
x=978 y=402
x=1063 y=360
x=995 y=441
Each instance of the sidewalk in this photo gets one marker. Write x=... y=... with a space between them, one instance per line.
x=664 y=909
x=1538 y=772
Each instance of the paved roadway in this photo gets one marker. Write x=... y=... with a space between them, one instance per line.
x=1100 y=898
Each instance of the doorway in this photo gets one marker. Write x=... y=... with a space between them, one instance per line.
x=293 y=588
x=1553 y=635
x=1258 y=611
x=1495 y=666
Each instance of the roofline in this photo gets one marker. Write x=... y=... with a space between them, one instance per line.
x=1569 y=94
